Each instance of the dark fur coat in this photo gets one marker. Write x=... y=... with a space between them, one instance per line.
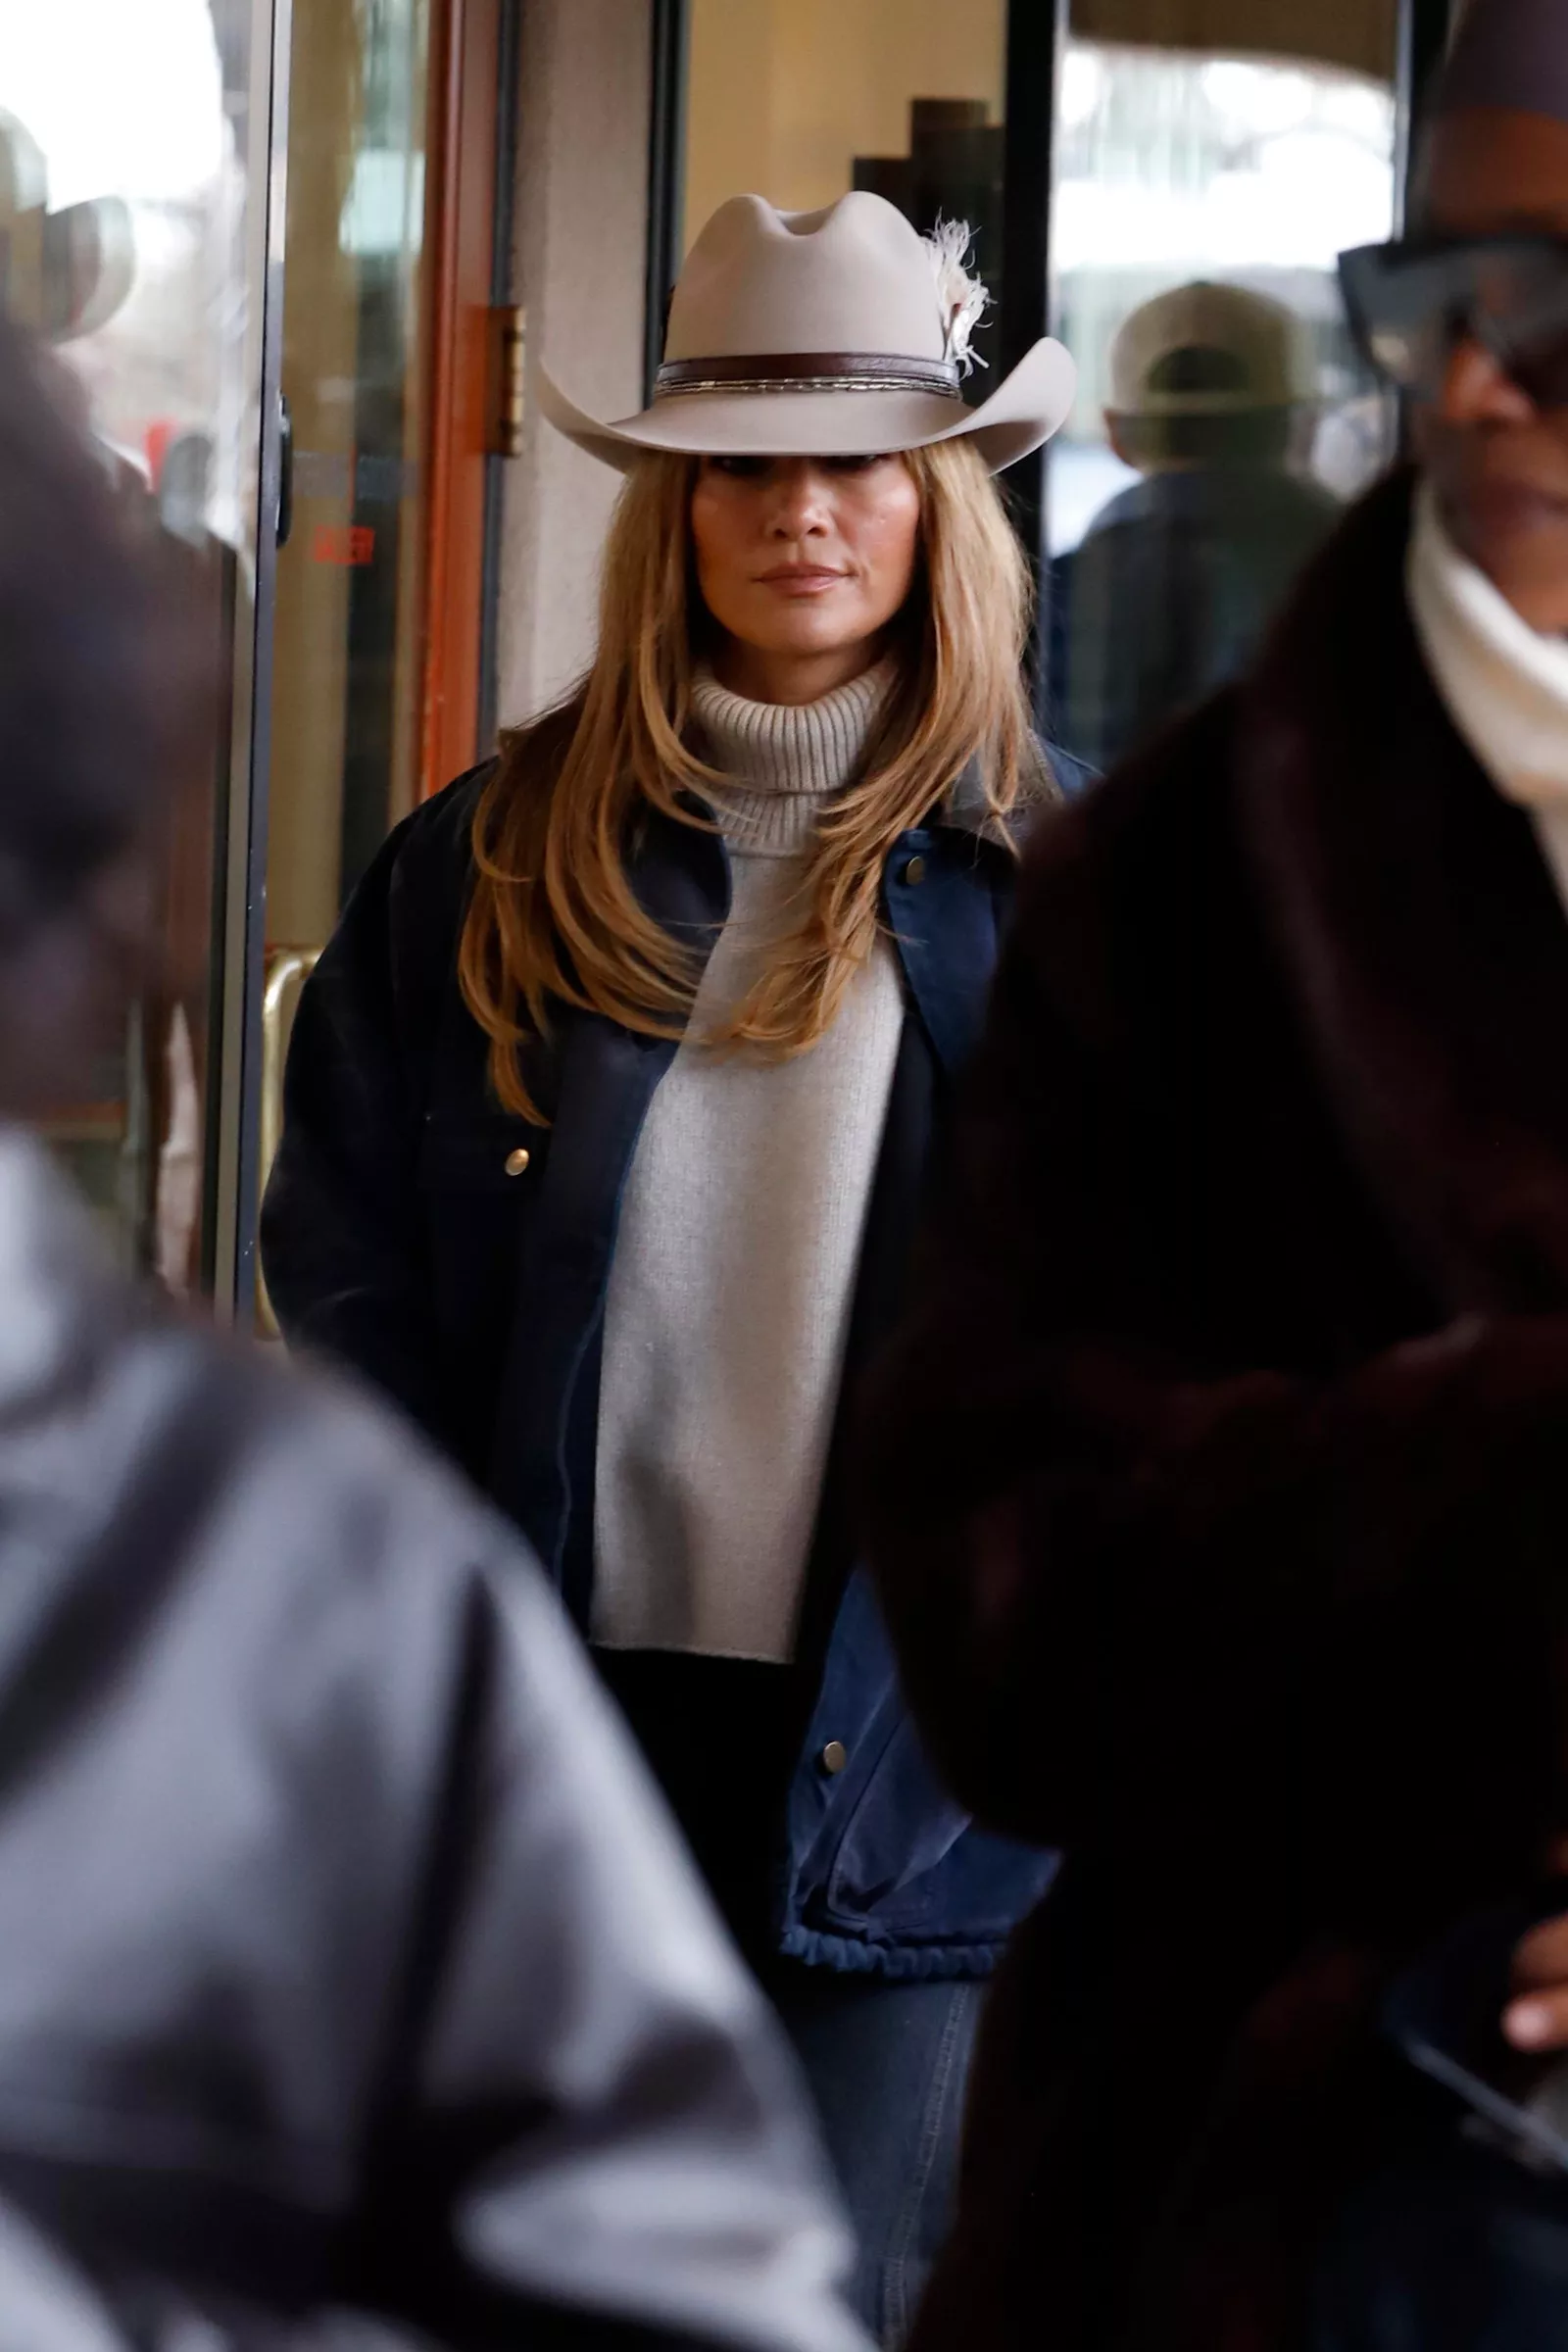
x=1220 y=1487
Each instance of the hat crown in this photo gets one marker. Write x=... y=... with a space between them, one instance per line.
x=852 y=277
x=1257 y=335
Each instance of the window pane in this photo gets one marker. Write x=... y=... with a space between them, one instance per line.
x=1201 y=199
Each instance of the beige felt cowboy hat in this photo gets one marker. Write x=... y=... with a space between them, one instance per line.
x=836 y=333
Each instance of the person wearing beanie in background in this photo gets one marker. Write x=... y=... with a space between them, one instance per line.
x=1171 y=589
x=1219 y=1484
x=355 y=1993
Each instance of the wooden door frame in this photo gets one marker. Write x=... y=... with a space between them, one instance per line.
x=462 y=209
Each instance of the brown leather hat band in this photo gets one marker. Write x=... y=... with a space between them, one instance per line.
x=809 y=371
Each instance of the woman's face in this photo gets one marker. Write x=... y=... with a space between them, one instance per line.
x=803 y=563
x=1499 y=465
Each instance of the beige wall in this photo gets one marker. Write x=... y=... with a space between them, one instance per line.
x=580 y=243
x=785 y=93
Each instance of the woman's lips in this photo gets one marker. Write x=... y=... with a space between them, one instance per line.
x=791 y=579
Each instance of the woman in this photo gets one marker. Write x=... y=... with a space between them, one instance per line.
x=608 y=1108
x=1241 y=1566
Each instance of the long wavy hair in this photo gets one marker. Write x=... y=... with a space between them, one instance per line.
x=553 y=918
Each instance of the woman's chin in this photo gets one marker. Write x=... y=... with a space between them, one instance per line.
x=809 y=639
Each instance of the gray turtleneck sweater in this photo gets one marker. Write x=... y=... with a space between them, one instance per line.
x=739 y=1240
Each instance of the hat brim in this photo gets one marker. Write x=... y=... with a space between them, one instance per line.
x=1024 y=410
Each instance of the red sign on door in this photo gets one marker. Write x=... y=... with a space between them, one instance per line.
x=348 y=543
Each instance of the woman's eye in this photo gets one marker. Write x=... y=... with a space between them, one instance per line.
x=740 y=470
x=857 y=465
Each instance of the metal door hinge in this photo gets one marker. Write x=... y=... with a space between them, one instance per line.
x=508 y=349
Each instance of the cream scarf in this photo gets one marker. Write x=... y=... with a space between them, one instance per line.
x=1505 y=687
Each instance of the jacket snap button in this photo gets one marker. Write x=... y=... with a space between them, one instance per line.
x=835 y=1756
x=915 y=871
x=516 y=1162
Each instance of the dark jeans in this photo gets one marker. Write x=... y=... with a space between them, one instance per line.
x=888 y=2064
x=1462 y=2251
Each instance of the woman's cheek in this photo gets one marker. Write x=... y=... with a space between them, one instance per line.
x=891 y=551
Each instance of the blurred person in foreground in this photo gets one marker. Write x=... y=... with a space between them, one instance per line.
x=1177 y=578
x=353 y=1987
x=1220 y=1485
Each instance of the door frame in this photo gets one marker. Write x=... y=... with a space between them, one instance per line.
x=234 y=1094
x=465 y=217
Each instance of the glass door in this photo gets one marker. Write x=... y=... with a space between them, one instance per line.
x=134 y=169
x=386 y=337
x=345 y=697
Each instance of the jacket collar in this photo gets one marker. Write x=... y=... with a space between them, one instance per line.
x=946 y=924
x=966 y=809
x=680 y=872
x=1417 y=925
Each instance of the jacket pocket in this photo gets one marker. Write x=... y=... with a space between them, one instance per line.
x=914 y=1868
x=883 y=1822
x=903 y=1827
x=883 y=1853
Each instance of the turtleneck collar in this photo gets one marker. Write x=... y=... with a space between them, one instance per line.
x=1505 y=686
x=784 y=759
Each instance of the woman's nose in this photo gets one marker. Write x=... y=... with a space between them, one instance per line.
x=1475 y=389
x=798 y=505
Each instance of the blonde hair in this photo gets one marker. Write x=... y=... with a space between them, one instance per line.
x=553 y=918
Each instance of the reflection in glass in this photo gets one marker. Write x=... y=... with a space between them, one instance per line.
x=1199 y=206
x=349 y=625
x=122 y=207
x=345 y=703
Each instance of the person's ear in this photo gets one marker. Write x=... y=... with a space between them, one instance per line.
x=1114 y=435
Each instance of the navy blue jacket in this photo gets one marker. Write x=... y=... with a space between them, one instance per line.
x=397 y=1236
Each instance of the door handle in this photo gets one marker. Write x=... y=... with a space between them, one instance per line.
x=287 y=970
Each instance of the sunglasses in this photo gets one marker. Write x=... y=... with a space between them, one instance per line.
x=1413 y=302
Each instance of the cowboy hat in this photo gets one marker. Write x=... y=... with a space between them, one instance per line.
x=836 y=333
